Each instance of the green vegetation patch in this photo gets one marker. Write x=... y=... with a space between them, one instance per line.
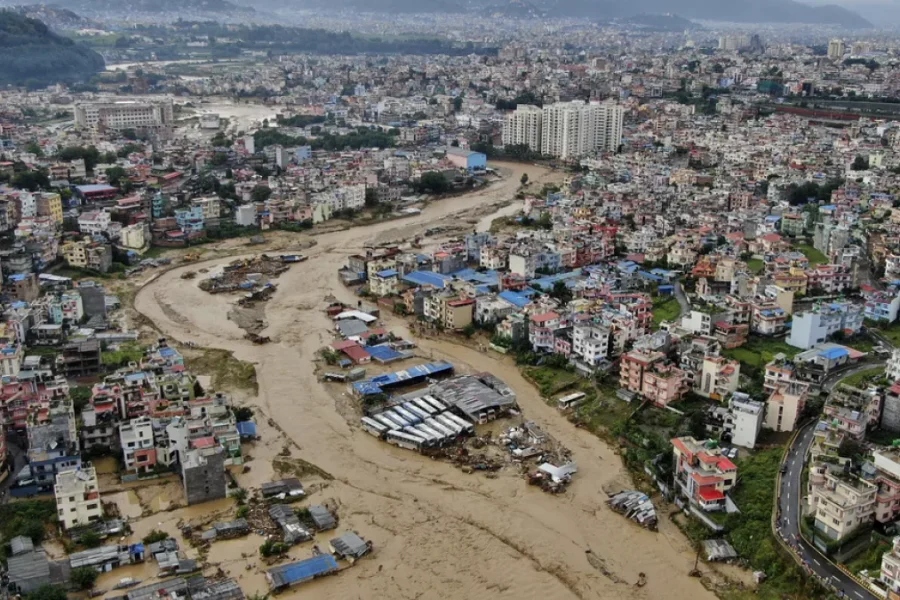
x=665 y=309
x=227 y=372
x=759 y=351
x=814 y=256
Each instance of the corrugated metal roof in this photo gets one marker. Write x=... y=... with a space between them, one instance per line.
x=304 y=570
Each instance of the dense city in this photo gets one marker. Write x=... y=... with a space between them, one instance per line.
x=544 y=307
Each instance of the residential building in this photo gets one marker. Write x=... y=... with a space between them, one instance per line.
x=836 y=49
x=385 y=283
x=815 y=326
x=94 y=222
x=785 y=404
x=747 y=420
x=574 y=129
x=652 y=376
x=137 y=443
x=702 y=474
x=719 y=377
x=78 y=497
x=839 y=502
x=882 y=306
x=125 y=114
x=890 y=570
x=203 y=474
x=523 y=127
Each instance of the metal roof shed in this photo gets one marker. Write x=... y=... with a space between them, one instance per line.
x=28 y=571
x=285 y=576
x=349 y=546
x=322 y=517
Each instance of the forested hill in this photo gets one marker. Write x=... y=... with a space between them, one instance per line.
x=34 y=54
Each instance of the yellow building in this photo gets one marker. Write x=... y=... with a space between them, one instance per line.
x=50 y=205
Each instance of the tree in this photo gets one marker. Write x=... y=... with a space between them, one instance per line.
x=851 y=448
x=433 y=182
x=260 y=193
x=561 y=292
x=84 y=577
x=116 y=175
x=48 y=592
x=80 y=395
x=91 y=539
x=34 y=148
x=698 y=425
x=524 y=179
x=860 y=163
x=154 y=536
x=371 y=197
x=31 y=180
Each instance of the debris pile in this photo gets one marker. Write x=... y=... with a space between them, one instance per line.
x=551 y=478
x=247 y=274
x=635 y=505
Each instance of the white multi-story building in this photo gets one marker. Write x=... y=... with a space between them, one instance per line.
x=136 y=440
x=574 y=129
x=890 y=568
x=840 y=504
x=813 y=327
x=836 y=49
x=78 y=497
x=746 y=420
x=94 y=222
x=126 y=114
x=348 y=197
x=210 y=205
x=590 y=343
x=523 y=127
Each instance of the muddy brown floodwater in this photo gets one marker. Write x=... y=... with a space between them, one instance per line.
x=437 y=532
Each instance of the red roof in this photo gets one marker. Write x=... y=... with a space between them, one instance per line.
x=343 y=344
x=705 y=479
x=356 y=353
x=710 y=494
x=204 y=442
x=772 y=237
x=550 y=316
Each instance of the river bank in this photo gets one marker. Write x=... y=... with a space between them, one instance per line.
x=438 y=532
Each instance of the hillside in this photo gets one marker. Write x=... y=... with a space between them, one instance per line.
x=33 y=53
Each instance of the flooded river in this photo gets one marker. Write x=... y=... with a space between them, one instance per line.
x=438 y=533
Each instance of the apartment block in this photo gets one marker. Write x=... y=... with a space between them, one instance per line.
x=523 y=127
x=574 y=129
x=785 y=404
x=702 y=473
x=78 y=497
x=137 y=443
x=813 y=327
x=652 y=376
x=841 y=503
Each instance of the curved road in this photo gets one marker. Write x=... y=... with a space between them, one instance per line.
x=681 y=297
x=791 y=494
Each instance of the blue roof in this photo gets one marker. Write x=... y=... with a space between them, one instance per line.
x=834 y=353
x=383 y=352
x=246 y=428
x=376 y=384
x=548 y=281
x=307 y=569
x=650 y=276
x=488 y=277
x=387 y=273
x=773 y=218
x=516 y=298
x=17 y=277
x=167 y=352
x=427 y=278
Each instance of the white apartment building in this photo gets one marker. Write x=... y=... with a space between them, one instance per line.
x=785 y=404
x=892 y=369
x=78 y=497
x=352 y=197
x=523 y=126
x=135 y=236
x=746 y=420
x=94 y=222
x=840 y=504
x=210 y=205
x=126 y=114
x=813 y=327
x=136 y=440
x=890 y=568
x=574 y=129
x=836 y=49
x=590 y=343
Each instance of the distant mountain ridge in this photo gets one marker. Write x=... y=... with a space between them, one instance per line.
x=33 y=53
x=106 y=7
x=741 y=11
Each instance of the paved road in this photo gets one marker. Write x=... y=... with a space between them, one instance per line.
x=682 y=299
x=789 y=505
x=841 y=374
